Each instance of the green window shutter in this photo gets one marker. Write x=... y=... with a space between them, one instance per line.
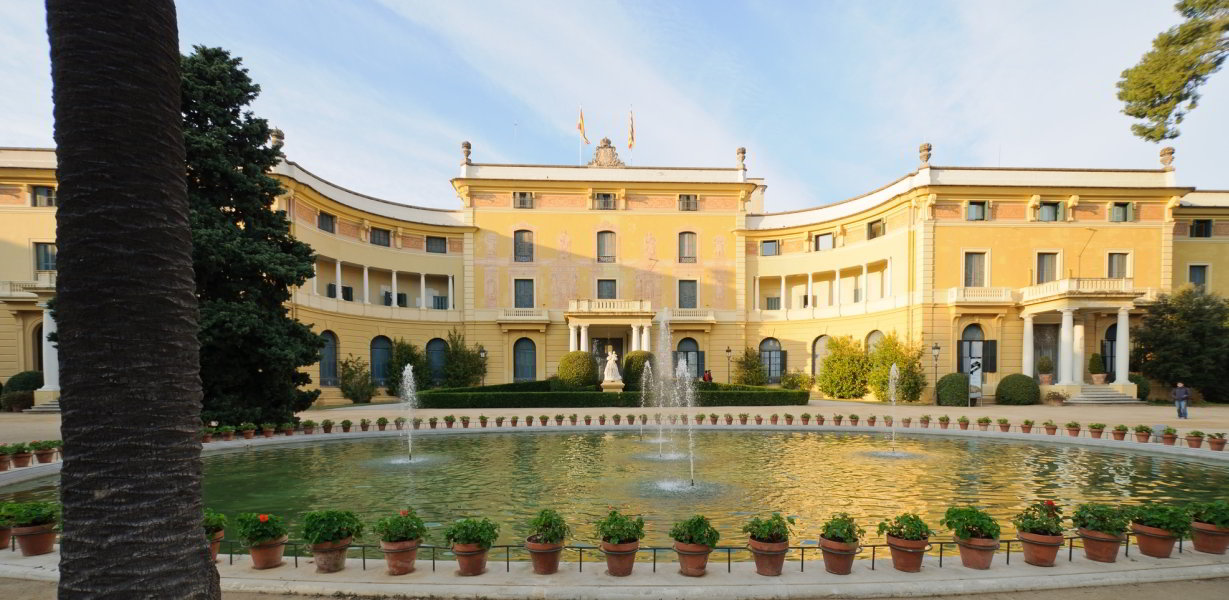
x=990 y=356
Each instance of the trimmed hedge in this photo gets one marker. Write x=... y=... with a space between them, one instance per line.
x=25 y=381
x=954 y=390
x=17 y=401
x=578 y=369
x=543 y=385
x=633 y=368
x=1143 y=385
x=438 y=399
x=1017 y=389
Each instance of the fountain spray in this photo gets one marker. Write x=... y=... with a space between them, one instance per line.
x=409 y=398
x=686 y=394
x=893 y=378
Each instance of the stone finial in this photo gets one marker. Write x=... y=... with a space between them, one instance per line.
x=742 y=158
x=605 y=155
x=277 y=137
x=1167 y=158
x=923 y=152
x=465 y=147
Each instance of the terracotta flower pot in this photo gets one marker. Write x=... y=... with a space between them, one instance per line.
x=1040 y=550
x=806 y=420
x=588 y=420
x=331 y=556
x=729 y=420
x=381 y=426
x=712 y=419
x=1073 y=431
x=759 y=420
x=1194 y=441
x=4 y=462
x=6 y=537
x=1216 y=444
x=1100 y=546
x=329 y=428
x=1210 y=538
x=1051 y=429
x=1004 y=427
x=924 y=423
x=396 y=424
x=1169 y=439
x=1096 y=433
x=983 y=426
x=471 y=559
x=288 y=432
x=205 y=439
x=269 y=432
x=963 y=424
x=693 y=558
x=853 y=421
x=251 y=433
x=309 y=430
x=35 y=540
x=368 y=426
x=571 y=420
x=464 y=425
x=789 y=419
x=1119 y=435
x=769 y=556
x=228 y=436
x=1142 y=437
x=944 y=424
x=837 y=420
x=772 y=419
x=1098 y=378
x=819 y=419
x=742 y=420
x=620 y=558
x=22 y=459
x=215 y=544
x=601 y=420
x=268 y=554
x=977 y=553
x=1046 y=378
x=838 y=556
x=870 y=421
x=1154 y=541
x=545 y=557
x=400 y=556
x=446 y=424
x=907 y=554
x=1026 y=428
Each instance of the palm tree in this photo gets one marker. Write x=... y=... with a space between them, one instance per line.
x=131 y=478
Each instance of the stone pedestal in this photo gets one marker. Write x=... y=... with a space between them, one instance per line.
x=612 y=386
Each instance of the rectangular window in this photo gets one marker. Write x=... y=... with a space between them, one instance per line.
x=976 y=212
x=331 y=290
x=687 y=293
x=42 y=195
x=522 y=242
x=380 y=237
x=347 y=293
x=1117 y=265
x=437 y=245
x=875 y=229
x=1198 y=276
x=772 y=303
x=689 y=202
x=1120 y=212
x=607 y=289
x=974 y=269
x=522 y=199
x=524 y=293
x=687 y=247
x=326 y=222
x=1047 y=266
x=1048 y=211
x=823 y=241
x=768 y=248
x=44 y=257
x=402 y=300
x=439 y=302
x=604 y=201
x=1201 y=228
x=605 y=246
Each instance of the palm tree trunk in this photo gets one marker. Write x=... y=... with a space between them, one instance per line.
x=131 y=479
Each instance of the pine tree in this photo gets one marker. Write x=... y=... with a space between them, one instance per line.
x=245 y=259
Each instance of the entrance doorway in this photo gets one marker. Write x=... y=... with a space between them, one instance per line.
x=1109 y=352
x=1045 y=343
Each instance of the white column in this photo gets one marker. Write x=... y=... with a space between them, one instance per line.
x=1026 y=359
x=1122 y=347
x=451 y=302
x=784 y=299
x=315 y=285
x=810 y=290
x=635 y=338
x=1064 y=347
x=571 y=338
x=584 y=338
x=51 y=356
x=645 y=341
x=394 y=303
x=836 y=289
x=366 y=293
x=422 y=290
x=1077 y=351
x=337 y=278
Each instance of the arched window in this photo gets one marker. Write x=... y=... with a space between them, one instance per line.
x=38 y=346
x=819 y=351
x=872 y=339
x=689 y=351
x=437 y=354
x=524 y=360
x=328 y=359
x=773 y=359
x=381 y=352
x=523 y=245
x=972 y=349
x=687 y=247
x=605 y=246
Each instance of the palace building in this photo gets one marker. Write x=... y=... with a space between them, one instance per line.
x=992 y=268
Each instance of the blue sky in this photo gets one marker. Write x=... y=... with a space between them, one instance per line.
x=831 y=99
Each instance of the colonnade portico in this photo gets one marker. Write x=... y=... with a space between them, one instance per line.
x=640 y=337
x=1071 y=362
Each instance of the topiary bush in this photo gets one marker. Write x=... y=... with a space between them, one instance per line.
x=25 y=381
x=845 y=369
x=1143 y=386
x=17 y=401
x=1017 y=389
x=954 y=390
x=633 y=368
x=1096 y=366
x=578 y=369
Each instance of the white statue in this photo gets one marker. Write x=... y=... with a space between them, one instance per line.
x=612 y=368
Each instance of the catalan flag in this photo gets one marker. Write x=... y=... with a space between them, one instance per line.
x=631 y=130
x=580 y=126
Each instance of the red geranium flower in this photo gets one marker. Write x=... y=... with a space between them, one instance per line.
x=405 y=513
x=1049 y=503
x=264 y=518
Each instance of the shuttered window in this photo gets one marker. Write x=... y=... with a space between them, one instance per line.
x=523 y=242
x=524 y=293
x=687 y=293
x=605 y=246
x=607 y=289
x=687 y=247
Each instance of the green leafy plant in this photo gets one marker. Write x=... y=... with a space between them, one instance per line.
x=273 y=426
x=308 y=424
x=945 y=419
x=449 y=419
x=1041 y=518
x=1096 y=366
x=695 y=530
x=962 y=419
x=355 y=380
x=1170 y=517
x=774 y=529
x=1003 y=421
x=1097 y=426
x=1142 y=429
x=842 y=528
x=213 y=522
x=472 y=531
x=326 y=423
x=1050 y=423
x=548 y=527
x=432 y=421
x=905 y=526
x=983 y=420
x=321 y=526
x=382 y=421
x=1100 y=517
x=287 y=426
x=1072 y=425
x=400 y=421
x=954 y=389
x=249 y=426
x=254 y=528
x=1121 y=428
x=1194 y=433
x=1045 y=365
x=578 y=369
x=1017 y=389
x=404 y=526
x=1169 y=431
x=749 y=369
x=366 y=422
x=31 y=514
x=617 y=528
x=1213 y=513
x=222 y=429
x=797 y=380
x=853 y=417
x=346 y=423
x=1028 y=422
x=1216 y=436
x=845 y=370
x=970 y=522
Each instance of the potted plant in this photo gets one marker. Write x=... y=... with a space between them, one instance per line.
x=268 y=429
x=1026 y=426
x=416 y=422
x=1096 y=368
x=944 y=421
x=214 y=524
x=588 y=419
x=673 y=419
x=1073 y=428
x=768 y=540
x=983 y=423
x=529 y=421
x=712 y=418
x=620 y=537
x=471 y=539
x=1045 y=370
x=924 y=421
x=288 y=428
x=963 y=421
x=657 y=418
x=464 y=422
x=5 y=451
x=1143 y=433
x=309 y=427
x=1040 y=530
x=559 y=420
x=432 y=422
x=227 y=432
x=601 y=419
x=836 y=419
x=346 y=424
x=1210 y=526
x=742 y=418
x=499 y=422
x=1169 y=436
x=839 y=543
x=33 y=524
x=265 y=536
x=759 y=419
x=542 y=419
x=482 y=419
x=513 y=419
x=572 y=418
x=853 y=420
x=248 y=429
x=908 y=536
x=887 y=420
x=1096 y=430
x=694 y=539
x=644 y=419
x=870 y=421
x=976 y=534
x=1101 y=527
x=1120 y=432
x=617 y=418
x=789 y=419
x=1051 y=427
x=547 y=531
x=326 y=426
x=399 y=423
x=1004 y=425
x=206 y=437
x=400 y=536
x=1194 y=438
x=330 y=532
x=1158 y=526
x=364 y=424
x=1216 y=441
x=382 y=423
x=906 y=421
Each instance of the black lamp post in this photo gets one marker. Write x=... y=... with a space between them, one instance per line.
x=934 y=353
x=728 y=354
x=482 y=355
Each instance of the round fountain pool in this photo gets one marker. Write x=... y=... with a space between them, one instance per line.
x=510 y=476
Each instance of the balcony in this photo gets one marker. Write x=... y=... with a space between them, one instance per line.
x=981 y=295
x=692 y=314
x=610 y=306
x=523 y=314
x=1081 y=286
x=305 y=299
x=44 y=282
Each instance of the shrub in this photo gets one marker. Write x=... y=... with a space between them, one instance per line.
x=548 y=527
x=970 y=522
x=213 y=522
x=1213 y=513
x=845 y=369
x=256 y=528
x=1170 y=517
x=907 y=357
x=696 y=530
x=1017 y=389
x=773 y=530
x=355 y=380
x=405 y=353
x=906 y=526
x=1041 y=518
x=797 y=380
x=406 y=525
x=25 y=381
x=617 y=528
x=954 y=390
x=472 y=531
x=1096 y=366
x=1100 y=517
x=29 y=514
x=17 y=401
x=463 y=366
x=578 y=369
x=1045 y=365
x=1143 y=386
x=842 y=528
x=748 y=369
x=321 y=526
x=1056 y=398
x=633 y=368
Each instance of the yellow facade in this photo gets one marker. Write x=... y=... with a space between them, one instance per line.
x=608 y=252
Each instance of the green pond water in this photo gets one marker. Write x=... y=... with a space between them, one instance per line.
x=809 y=475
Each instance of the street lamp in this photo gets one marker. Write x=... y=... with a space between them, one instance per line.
x=934 y=353
x=482 y=355
x=728 y=354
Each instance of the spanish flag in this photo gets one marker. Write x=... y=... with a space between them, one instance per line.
x=580 y=126
x=631 y=130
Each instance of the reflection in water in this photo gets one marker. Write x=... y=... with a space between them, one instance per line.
x=509 y=477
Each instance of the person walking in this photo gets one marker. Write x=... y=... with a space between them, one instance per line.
x=1181 y=395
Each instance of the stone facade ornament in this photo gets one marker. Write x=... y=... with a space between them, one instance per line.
x=923 y=152
x=1167 y=158
x=277 y=137
x=742 y=158
x=465 y=148
x=605 y=155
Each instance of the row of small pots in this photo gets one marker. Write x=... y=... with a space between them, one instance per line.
x=24 y=454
